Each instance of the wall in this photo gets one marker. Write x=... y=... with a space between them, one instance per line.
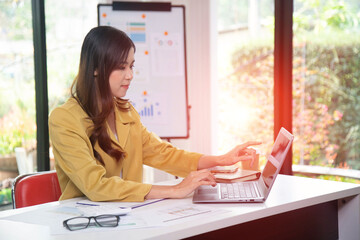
x=201 y=56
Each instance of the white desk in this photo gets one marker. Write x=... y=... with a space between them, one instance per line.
x=297 y=208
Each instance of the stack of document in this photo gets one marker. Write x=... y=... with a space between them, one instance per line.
x=239 y=175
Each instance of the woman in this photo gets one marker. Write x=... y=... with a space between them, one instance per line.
x=99 y=143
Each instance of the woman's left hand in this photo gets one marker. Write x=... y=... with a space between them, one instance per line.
x=239 y=153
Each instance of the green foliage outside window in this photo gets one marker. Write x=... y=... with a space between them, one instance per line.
x=17 y=92
x=326 y=103
x=326 y=89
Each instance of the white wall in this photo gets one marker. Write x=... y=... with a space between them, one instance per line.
x=201 y=63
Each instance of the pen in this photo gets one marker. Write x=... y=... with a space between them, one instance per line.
x=87 y=204
x=144 y=204
x=132 y=207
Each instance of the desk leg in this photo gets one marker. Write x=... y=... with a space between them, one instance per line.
x=349 y=218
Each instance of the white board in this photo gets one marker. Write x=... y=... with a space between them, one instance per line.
x=159 y=88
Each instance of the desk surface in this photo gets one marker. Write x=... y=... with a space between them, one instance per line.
x=289 y=193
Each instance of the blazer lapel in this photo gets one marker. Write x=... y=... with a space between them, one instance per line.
x=123 y=124
x=123 y=132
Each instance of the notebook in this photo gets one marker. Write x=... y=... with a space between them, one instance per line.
x=250 y=191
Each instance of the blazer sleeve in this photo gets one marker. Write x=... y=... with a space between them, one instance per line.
x=79 y=172
x=162 y=155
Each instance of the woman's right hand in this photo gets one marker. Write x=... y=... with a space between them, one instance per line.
x=192 y=181
x=185 y=187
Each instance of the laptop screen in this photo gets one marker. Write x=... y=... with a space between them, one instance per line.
x=268 y=173
x=279 y=151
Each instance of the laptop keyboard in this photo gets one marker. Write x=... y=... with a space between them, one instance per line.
x=238 y=190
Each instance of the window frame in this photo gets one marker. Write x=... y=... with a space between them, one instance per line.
x=41 y=94
x=283 y=52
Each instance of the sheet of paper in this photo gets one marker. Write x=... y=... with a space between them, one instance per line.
x=53 y=217
x=175 y=214
x=88 y=210
x=115 y=205
x=181 y=212
x=129 y=221
x=155 y=216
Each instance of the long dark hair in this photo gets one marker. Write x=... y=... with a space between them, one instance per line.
x=104 y=49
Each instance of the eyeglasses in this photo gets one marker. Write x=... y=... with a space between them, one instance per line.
x=78 y=223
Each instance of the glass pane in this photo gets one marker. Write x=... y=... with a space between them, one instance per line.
x=67 y=23
x=245 y=68
x=17 y=89
x=78 y=223
x=107 y=220
x=326 y=83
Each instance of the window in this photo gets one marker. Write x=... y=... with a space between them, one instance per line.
x=326 y=88
x=67 y=23
x=245 y=67
x=17 y=86
x=326 y=79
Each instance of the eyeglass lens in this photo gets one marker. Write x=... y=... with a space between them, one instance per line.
x=107 y=220
x=84 y=222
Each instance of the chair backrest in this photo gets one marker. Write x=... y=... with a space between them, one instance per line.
x=35 y=188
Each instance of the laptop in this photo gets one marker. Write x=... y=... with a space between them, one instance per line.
x=250 y=191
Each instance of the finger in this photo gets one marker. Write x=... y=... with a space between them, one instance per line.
x=249 y=151
x=210 y=177
x=203 y=170
x=253 y=159
x=202 y=174
x=242 y=158
x=250 y=143
x=244 y=148
x=198 y=172
x=207 y=183
x=201 y=179
x=252 y=162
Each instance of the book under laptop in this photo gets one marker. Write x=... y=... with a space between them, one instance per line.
x=250 y=191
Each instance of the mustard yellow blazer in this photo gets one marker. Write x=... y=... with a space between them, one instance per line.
x=81 y=174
